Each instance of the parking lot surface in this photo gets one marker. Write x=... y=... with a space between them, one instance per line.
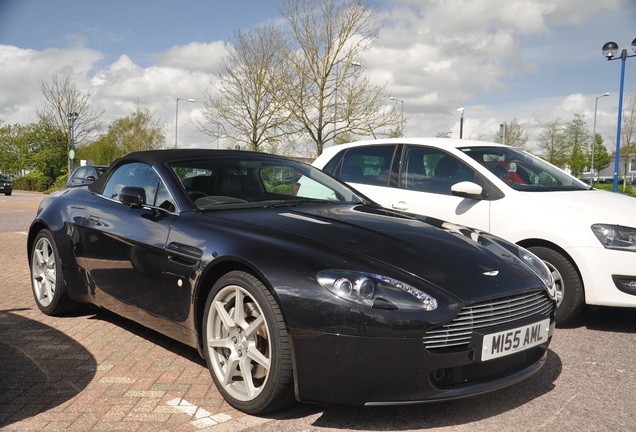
x=95 y=371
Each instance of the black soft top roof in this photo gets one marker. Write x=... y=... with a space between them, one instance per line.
x=153 y=157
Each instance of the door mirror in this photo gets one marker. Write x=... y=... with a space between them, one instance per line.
x=468 y=189
x=135 y=197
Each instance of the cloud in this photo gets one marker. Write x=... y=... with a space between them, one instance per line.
x=194 y=56
x=439 y=55
x=115 y=88
x=23 y=71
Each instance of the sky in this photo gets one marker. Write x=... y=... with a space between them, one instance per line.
x=500 y=60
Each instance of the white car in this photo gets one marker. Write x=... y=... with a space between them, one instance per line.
x=586 y=236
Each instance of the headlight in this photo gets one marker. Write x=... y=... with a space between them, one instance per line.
x=539 y=268
x=375 y=290
x=616 y=236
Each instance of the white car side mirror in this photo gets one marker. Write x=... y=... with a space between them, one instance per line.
x=467 y=189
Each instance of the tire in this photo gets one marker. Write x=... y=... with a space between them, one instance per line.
x=8 y=193
x=246 y=348
x=47 y=279
x=569 y=286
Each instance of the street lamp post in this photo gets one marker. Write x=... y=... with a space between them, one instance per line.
x=71 y=155
x=461 y=122
x=401 y=115
x=609 y=50
x=594 y=134
x=176 y=124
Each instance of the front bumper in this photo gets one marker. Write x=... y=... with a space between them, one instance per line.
x=599 y=268
x=354 y=370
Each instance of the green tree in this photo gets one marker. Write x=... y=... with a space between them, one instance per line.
x=102 y=151
x=138 y=131
x=135 y=132
x=515 y=135
x=602 y=158
x=577 y=143
x=45 y=149
x=9 y=153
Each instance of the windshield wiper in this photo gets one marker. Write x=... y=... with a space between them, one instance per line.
x=299 y=201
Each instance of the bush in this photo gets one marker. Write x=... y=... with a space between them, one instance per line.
x=34 y=181
x=60 y=183
x=630 y=190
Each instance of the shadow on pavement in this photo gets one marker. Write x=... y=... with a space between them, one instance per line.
x=40 y=367
x=150 y=335
x=610 y=319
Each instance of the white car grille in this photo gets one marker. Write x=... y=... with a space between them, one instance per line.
x=492 y=313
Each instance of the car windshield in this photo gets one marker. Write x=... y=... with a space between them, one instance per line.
x=523 y=171
x=250 y=181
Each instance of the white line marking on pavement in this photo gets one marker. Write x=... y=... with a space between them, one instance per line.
x=202 y=418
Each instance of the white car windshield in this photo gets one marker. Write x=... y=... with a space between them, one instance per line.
x=523 y=171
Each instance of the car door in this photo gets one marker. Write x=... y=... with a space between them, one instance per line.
x=426 y=175
x=368 y=169
x=125 y=247
x=78 y=177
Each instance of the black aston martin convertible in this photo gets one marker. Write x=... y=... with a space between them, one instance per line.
x=309 y=293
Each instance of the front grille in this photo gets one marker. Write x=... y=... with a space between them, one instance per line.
x=488 y=314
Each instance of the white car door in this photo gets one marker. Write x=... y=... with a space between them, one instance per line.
x=426 y=178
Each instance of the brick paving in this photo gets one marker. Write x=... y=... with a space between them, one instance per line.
x=93 y=371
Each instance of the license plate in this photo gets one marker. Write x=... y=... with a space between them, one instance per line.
x=507 y=342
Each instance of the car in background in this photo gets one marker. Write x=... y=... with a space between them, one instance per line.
x=327 y=299
x=6 y=185
x=85 y=174
x=586 y=236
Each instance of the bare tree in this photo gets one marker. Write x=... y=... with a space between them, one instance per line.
x=61 y=98
x=551 y=141
x=241 y=107
x=323 y=86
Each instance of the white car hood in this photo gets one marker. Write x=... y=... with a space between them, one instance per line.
x=602 y=206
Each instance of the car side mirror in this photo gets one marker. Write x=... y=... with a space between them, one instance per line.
x=468 y=189
x=135 y=197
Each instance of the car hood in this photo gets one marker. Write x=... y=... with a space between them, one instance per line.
x=598 y=206
x=464 y=262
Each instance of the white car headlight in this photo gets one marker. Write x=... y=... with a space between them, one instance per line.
x=616 y=236
x=375 y=290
